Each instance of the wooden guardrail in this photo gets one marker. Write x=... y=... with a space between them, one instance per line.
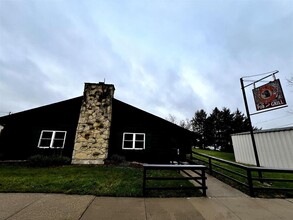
x=245 y=176
x=196 y=173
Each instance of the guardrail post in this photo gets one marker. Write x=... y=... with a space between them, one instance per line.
x=250 y=182
x=210 y=166
x=143 y=182
x=204 y=188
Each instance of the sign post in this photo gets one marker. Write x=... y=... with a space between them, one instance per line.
x=267 y=97
x=250 y=124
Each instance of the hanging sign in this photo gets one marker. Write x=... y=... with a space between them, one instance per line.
x=269 y=95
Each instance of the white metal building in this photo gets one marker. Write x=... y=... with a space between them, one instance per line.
x=274 y=147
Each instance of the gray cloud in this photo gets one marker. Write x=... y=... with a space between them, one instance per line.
x=24 y=85
x=164 y=57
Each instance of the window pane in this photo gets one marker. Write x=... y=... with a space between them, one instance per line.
x=139 y=145
x=127 y=144
x=59 y=135
x=45 y=143
x=139 y=137
x=57 y=143
x=128 y=137
x=47 y=134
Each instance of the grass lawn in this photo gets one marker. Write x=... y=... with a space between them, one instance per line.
x=218 y=154
x=85 y=180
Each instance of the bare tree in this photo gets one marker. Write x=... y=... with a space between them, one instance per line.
x=183 y=123
x=171 y=118
x=186 y=124
x=290 y=83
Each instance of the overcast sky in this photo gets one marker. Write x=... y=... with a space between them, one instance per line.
x=163 y=56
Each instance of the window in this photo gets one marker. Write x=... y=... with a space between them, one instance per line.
x=133 y=141
x=52 y=139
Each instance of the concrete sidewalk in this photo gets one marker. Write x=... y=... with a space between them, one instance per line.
x=222 y=202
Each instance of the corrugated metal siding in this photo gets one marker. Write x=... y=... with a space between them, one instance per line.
x=243 y=149
x=275 y=148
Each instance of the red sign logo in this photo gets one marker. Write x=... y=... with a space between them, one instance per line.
x=269 y=95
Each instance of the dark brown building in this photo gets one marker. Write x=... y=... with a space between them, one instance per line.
x=91 y=128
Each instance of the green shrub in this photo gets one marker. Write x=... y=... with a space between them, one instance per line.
x=116 y=159
x=46 y=161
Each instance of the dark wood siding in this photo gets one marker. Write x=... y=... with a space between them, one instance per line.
x=21 y=133
x=163 y=138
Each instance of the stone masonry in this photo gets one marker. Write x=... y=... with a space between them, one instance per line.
x=93 y=129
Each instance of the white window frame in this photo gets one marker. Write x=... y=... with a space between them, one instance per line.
x=52 y=139
x=133 y=141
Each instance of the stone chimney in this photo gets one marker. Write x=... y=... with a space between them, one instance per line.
x=93 y=129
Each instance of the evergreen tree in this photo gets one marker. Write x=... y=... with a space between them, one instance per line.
x=226 y=128
x=216 y=129
x=198 y=125
x=240 y=122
